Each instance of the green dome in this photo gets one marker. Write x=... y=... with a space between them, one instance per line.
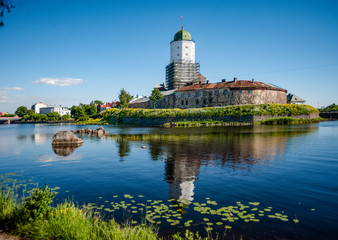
x=182 y=35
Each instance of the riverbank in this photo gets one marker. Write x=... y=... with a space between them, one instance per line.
x=34 y=218
x=229 y=115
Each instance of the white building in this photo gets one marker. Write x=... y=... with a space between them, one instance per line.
x=182 y=69
x=60 y=110
x=36 y=107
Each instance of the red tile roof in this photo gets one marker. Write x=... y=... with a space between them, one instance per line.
x=233 y=85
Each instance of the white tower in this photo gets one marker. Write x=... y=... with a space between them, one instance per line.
x=182 y=69
x=182 y=48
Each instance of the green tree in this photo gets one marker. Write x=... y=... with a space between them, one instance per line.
x=78 y=112
x=21 y=111
x=156 y=95
x=65 y=117
x=53 y=116
x=125 y=98
x=93 y=110
x=96 y=102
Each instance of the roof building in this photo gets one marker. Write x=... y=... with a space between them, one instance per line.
x=60 y=110
x=293 y=99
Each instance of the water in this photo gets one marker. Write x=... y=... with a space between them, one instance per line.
x=292 y=169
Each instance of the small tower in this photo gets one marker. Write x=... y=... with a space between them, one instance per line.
x=182 y=69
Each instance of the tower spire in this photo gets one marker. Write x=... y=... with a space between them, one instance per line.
x=181 y=18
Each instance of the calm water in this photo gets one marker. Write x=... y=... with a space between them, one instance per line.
x=291 y=169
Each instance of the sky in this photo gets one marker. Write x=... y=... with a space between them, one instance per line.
x=66 y=52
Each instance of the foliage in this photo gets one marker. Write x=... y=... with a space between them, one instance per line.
x=96 y=102
x=65 y=117
x=124 y=98
x=53 y=116
x=8 y=115
x=289 y=120
x=235 y=111
x=35 y=219
x=37 y=206
x=5 y=5
x=21 y=111
x=331 y=108
x=78 y=111
x=156 y=95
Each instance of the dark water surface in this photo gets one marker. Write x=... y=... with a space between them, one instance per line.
x=288 y=170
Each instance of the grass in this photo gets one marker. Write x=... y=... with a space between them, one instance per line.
x=287 y=120
x=66 y=221
x=33 y=218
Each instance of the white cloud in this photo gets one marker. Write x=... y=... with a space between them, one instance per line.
x=60 y=82
x=13 y=88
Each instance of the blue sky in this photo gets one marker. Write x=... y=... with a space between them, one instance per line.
x=95 y=48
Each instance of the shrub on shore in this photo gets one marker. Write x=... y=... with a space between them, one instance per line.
x=236 y=111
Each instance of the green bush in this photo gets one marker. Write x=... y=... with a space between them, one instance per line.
x=235 y=111
x=36 y=206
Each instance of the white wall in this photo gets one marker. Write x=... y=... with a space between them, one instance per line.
x=183 y=50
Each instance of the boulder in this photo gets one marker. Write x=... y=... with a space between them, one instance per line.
x=63 y=138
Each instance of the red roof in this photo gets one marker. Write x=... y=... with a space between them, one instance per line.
x=233 y=85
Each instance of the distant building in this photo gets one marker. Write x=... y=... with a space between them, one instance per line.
x=36 y=107
x=293 y=99
x=60 y=110
x=3 y=113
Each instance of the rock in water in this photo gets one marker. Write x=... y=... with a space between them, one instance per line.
x=63 y=138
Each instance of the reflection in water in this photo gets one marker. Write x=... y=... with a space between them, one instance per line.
x=233 y=149
x=65 y=150
x=48 y=159
x=39 y=138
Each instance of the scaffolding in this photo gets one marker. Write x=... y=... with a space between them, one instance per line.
x=179 y=74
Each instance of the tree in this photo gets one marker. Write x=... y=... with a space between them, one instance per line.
x=125 y=98
x=21 y=111
x=96 y=102
x=93 y=110
x=5 y=5
x=78 y=112
x=65 y=117
x=53 y=116
x=156 y=95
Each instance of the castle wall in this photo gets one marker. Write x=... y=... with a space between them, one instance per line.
x=216 y=97
x=224 y=97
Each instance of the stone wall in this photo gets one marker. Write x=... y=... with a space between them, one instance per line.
x=215 y=97
x=226 y=97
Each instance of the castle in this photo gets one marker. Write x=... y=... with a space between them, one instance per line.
x=186 y=87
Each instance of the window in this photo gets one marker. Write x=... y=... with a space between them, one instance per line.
x=197 y=94
x=210 y=100
x=210 y=93
x=189 y=94
x=240 y=91
x=204 y=93
x=182 y=102
x=186 y=54
x=197 y=102
x=216 y=93
x=178 y=47
x=186 y=46
x=204 y=101
x=186 y=102
x=177 y=54
x=225 y=92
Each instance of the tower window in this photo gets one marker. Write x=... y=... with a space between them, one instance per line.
x=177 y=54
